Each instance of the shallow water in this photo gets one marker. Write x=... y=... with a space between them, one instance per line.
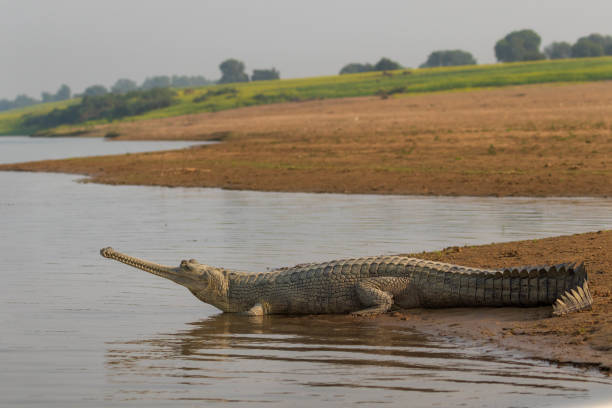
x=16 y=149
x=79 y=330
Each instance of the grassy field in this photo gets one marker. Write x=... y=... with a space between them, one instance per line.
x=385 y=84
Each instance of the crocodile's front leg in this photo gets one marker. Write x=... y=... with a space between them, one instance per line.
x=256 y=310
x=263 y=307
x=378 y=294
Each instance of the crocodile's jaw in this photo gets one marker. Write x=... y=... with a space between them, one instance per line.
x=182 y=275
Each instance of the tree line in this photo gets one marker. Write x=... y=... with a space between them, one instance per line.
x=23 y=100
x=520 y=45
x=524 y=45
x=232 y=70
x=594 y=45
x=125 y=98
x=109 y=106
x=384 y=64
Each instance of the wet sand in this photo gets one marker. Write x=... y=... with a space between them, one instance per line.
x=579 y=338
x=537 y=140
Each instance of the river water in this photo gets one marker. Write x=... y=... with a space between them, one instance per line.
x=77 y=330
x=16 y=149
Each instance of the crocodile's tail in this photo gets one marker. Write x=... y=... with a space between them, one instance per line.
x=577 y=298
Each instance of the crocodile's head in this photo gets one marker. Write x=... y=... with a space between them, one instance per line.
x=200 y=279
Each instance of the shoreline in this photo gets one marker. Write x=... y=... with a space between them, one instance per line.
x=501 y=329
x=532 y=141
x=582 y=339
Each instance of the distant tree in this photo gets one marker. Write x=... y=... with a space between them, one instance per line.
x=385 y=64
x=523 y=45
x=449 y=58
x=180 y=81
x=47 y=97
x=199 y=80
x=265 y=74
x=95 y=90
x=586 y=48
x=19 y=102
x=355 y=67
x=184 y=81
x=558 y=50
x=24 y=100
x=5 y=104
x=161 y=81
x=232 y=70
x=62 y=93
x=594 y=45
x=124 y=85
x=604 y=40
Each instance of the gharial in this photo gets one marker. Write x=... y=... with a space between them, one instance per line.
x=365 y=286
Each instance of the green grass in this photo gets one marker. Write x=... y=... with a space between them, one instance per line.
x=371 y=83
x=11 y=121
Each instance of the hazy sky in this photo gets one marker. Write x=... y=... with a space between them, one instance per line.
x=46 y=43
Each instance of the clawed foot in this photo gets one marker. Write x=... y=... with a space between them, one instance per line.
x=372 y=311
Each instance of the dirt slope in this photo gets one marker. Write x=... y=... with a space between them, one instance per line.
x=540 y=140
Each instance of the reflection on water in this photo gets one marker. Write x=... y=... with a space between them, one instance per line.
x=77 y=330
x=335 y=360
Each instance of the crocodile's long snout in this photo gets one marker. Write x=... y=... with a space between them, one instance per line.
x=182 y=276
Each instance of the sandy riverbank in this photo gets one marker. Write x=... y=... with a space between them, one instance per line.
x=580 y=338
x=538 y=140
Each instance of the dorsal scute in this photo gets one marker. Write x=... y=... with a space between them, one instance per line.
x=381 y=265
